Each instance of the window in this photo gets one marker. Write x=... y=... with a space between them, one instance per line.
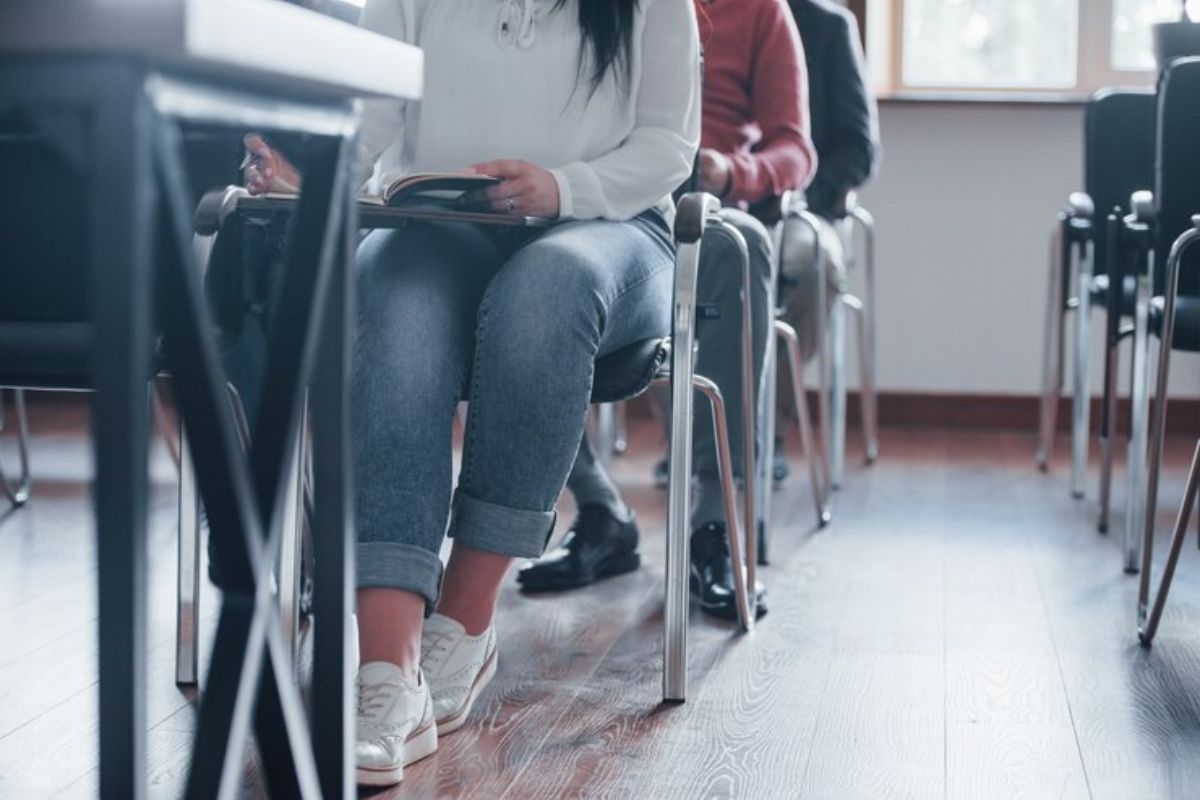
x=990 y=43
x=1132 y=46
x=1026 y=46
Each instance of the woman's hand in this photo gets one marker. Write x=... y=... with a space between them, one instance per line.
x=266 y=170
x=525 y=190
x=715 y=173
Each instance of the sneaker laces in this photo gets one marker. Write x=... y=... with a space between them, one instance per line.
x=372 y=697
x=434 y=644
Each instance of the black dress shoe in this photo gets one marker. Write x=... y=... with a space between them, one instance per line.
x=712 y=574
x=597 y=546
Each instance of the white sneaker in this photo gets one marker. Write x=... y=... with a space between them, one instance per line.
x=457 y=666
x=395 y=724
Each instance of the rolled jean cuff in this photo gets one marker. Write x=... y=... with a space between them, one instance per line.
x=393 y=565
x=500 y=529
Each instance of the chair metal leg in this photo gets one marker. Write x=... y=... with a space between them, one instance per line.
x=675 y=612
x=868 y=349
x=187 y=626
x=823 y=360
x=18 y=493
x=694 y=211
x=766 y=403
x=749 y=417
x=766 y=461
x=290 y=542
x=289 y=558
x=1149 y=617
x=187 y=606
x=1112 y=354
x=1081 y=389
x=866 y=381
x=620 y=428
x=604 y=431
x=1135 y=468
x=1108 y=428
x=1052 y=356
x=162 y=423
x=239 y=414
x=812 y=453
x=837 y=391
x=1157 y=435
x=737 y=533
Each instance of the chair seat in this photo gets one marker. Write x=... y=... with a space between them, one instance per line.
x=1187 y=322
x=46 y=355
x=1128 y=293
x=625 y=373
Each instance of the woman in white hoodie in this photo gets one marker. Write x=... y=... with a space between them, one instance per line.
x=588 y=112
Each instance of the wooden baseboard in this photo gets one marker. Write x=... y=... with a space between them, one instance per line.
x=904 y=409
x=988 y=412
x=1011 y=412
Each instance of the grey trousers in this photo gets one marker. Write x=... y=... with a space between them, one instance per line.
x=720 y=352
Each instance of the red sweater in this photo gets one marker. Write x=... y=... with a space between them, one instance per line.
x=755 y=103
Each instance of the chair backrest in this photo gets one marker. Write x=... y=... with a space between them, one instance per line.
x=1118 y=152
x=42 y=223
x=1177 y=169
x=44 y=218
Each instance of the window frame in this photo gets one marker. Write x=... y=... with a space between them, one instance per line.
x=1093 y=59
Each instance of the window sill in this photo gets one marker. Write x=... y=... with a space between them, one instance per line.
x=968 y=97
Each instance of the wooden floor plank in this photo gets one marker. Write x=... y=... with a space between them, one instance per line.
x=960 y=631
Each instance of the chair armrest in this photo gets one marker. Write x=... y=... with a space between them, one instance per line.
x=846 y=205
x=1141 y=206
x=214 y=207
x=692 y=215
x=1080 y=205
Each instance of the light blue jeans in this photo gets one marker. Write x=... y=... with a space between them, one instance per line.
x=514 y=319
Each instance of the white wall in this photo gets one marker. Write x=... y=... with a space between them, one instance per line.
x=965 y=203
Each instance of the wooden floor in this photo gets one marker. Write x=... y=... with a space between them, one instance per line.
x=960 y=631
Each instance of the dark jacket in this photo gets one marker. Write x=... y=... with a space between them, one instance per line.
x=842 y=111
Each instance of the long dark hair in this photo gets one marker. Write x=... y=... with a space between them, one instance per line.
x=607 y=30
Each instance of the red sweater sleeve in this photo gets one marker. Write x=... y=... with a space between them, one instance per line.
x=785 y=157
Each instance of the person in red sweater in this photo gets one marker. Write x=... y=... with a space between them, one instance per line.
x=755 y=144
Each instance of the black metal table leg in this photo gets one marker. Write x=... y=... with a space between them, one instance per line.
x=333 y=527
x=124 y=135
x=120 y=212
x=251 y=665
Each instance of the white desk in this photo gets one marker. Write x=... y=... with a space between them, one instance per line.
x=133 y=70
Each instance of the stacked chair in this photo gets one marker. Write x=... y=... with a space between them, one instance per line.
x=1118 y=160
x=1167 y=277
